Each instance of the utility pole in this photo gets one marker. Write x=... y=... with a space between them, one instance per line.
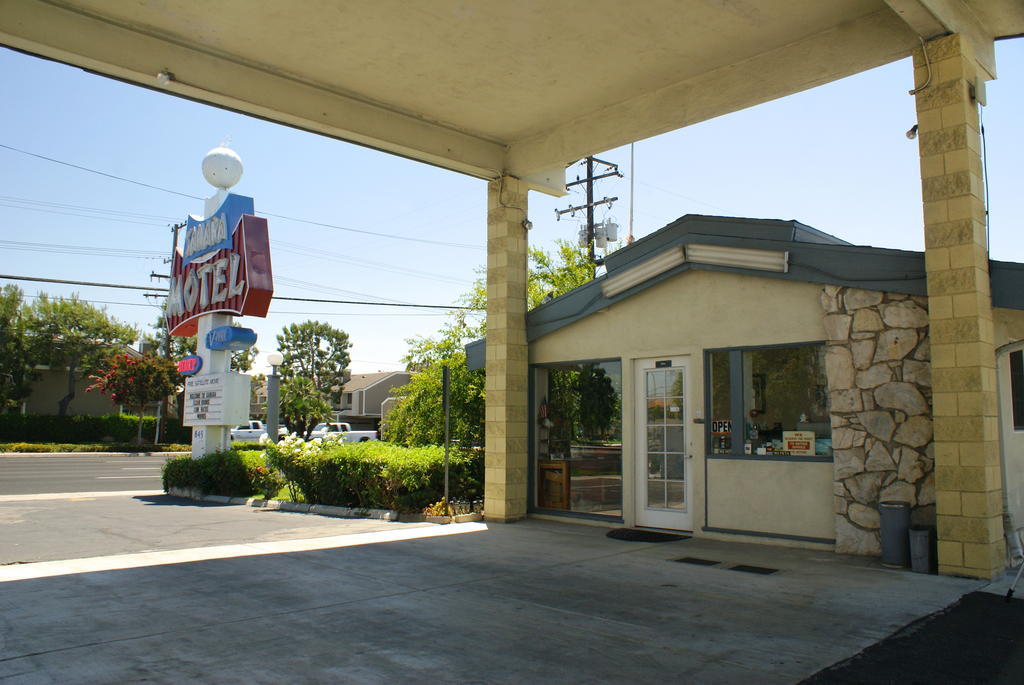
x=164 y=409
x=590 y=231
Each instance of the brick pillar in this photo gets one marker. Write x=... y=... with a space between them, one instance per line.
x=506 y=419
x=968 y=478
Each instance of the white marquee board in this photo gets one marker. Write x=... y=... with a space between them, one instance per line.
x=216 y=399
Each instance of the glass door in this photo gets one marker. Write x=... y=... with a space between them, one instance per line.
x=662 y=454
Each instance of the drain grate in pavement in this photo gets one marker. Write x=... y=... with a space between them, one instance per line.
x=696 y=561
x=760 y=570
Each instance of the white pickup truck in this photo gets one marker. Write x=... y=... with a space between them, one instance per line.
x=252 y=431
x=343 y=431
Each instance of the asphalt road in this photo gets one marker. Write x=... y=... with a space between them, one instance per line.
x=46 y=473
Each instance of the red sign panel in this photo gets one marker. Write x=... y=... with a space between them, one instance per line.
x=190 y=365
x=233 y=280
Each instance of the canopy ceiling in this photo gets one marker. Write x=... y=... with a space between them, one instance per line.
x=486 y=87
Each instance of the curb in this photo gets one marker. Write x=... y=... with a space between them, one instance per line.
x=322 y=509
x=283 y=505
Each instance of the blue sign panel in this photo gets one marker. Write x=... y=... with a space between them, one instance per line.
x=230 y=338
x=215 y=232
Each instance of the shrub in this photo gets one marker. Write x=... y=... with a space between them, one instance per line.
x=86 y=429
x=234 y=473
x=374 y=474
x=93 y=447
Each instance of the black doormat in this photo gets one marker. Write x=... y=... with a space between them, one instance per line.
x=760 y=570
x=634 y=535
x=697 y=561
x=980 y=639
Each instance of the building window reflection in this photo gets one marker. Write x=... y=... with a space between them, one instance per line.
x=579 y=437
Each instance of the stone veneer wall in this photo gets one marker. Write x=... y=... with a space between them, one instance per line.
x=879 y=376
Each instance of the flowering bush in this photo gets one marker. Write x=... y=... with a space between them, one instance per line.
x=135 y=381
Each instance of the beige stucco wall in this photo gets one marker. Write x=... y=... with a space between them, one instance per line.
x=683 y=316
x=53 y=385
x=1009 y=336
x=793 y=498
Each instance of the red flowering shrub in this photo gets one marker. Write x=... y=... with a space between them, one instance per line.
x=136 y=381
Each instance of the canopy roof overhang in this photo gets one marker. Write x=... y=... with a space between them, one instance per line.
x=486 y=87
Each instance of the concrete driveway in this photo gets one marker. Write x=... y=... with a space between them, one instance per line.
x=531 y=602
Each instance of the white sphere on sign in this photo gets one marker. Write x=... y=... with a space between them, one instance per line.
x=222 y=167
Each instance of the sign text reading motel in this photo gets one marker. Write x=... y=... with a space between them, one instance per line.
x=224 y=267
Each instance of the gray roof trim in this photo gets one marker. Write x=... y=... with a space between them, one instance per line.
x=747 y=229
x=814 y=257
x=870 y=268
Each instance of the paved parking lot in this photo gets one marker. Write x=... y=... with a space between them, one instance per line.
x=266 y=597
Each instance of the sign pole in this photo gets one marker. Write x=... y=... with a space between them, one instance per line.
x=446 y=374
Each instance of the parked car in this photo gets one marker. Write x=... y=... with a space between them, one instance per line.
x=343 y=431
x=253 y=431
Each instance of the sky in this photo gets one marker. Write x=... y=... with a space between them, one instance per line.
x=351 y=223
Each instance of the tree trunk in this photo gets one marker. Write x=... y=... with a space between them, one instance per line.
x=62 y=406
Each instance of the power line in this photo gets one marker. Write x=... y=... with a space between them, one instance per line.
x=126 y=304
x=278 y=216
x=98 y=173
x=39 y=279
x=154 y=291
x=61 y=248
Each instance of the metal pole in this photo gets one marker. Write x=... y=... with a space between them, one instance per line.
x=590 y=212
x=632 y=195
x=446 y=374
x=159 y=415
x=273 y=403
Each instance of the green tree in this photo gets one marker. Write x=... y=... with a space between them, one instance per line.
x=67 y=333
x=16 y=363
x=302 y=405
x=418 y=418
x=316 y=351
x=135 y=381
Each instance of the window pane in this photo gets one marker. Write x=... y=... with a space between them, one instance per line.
x=656 y=465
x=676 y=494
x=579 y=438
x=656 y=494
x=1017 y=388
x=655 y=384
x=655 y=411
x=676 y=466
x=674 y=383
x=721 y=408
x=674 y=410
x=655 y=439
x=786 y=390
x=673 y=438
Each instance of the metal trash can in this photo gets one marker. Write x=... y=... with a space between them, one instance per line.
x=922 y=542
x=895 y=527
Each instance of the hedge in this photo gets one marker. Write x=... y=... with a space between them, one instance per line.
x=380 y=475
x=234 y=473
x=41 y=447
x=87 y=429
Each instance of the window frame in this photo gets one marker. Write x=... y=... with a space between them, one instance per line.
x=736 y=408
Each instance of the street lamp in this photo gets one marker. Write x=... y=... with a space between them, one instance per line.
x=275 y=359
